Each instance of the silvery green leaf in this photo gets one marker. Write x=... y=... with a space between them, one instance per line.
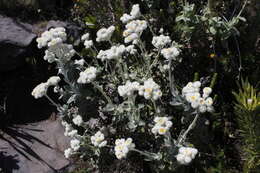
x=212 y=30
x=175 y=103
x=140 y=106
x=109 y=108
x=131 y=125
x=141 y=123
x=71 y=99
x=242 y=18
x=179 y=18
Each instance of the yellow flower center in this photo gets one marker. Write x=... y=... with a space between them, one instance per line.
x=148 y=90
x=162 y=130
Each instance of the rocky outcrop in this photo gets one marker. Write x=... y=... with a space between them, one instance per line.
x=15 y=40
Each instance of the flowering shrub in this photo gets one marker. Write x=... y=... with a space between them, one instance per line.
x=134 y=86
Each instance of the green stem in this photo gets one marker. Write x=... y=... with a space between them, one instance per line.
x=173 y=89
x=213 y=80
x=196 y=77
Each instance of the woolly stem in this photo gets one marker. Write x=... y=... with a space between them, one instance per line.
x=191 y=126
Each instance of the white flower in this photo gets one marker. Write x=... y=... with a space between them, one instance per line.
x=75 y=144
x=52 y=37
x=79 y=62
x=77 y=120
x=170 y=53
x=202 y=109
x=54 y=42
x=98 y=140
x=191 y=92
x=88 y=44
x=126 y=18
x=40 y=90
x=88 y=75
x=196 y=84
x=150 y=90
x=131 y=38
x=102 y=55
x=209 y=101
x=207 y=90
x=186 y=155
x=104 y=34
x=68 y=153
x=122 y=147
x=193 y=97
x=162 y=125
x=161 y=41
x=166 y=66
x=135 y=12
x=54 y=80
x=130 y=49
x=85 y=37
x=161 y=30
x=72 y=133
x=134 y=30
x=160 y=120
x=68 y=129
x=128 y=89
x=113 y=53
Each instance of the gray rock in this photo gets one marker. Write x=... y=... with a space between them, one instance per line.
x=15 y=38
x=15 y=32
x=34 y=148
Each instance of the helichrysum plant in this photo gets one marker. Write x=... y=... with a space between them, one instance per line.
x=133 y=84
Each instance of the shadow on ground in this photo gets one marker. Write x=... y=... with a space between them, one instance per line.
x=31 y=148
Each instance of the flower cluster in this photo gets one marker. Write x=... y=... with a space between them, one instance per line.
x=128 y=89
x=113 y=53
x=104 y=34
x=122 y=147
x=80 y=62
x=162 y=125
x=87 y=43
x=88 y=75
x=186 y=155
x=69 y=131
x=134 y=30
x=130 y=95
x=98 y=140
x=75 y=144
x=135 y=13
x=41 y=89
x=170 y=53
x=150 y=90
x=161 y=41
x=131 y=49
x=77 y=120
x=68 y=152
x=52 y=37
x=203 y=103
